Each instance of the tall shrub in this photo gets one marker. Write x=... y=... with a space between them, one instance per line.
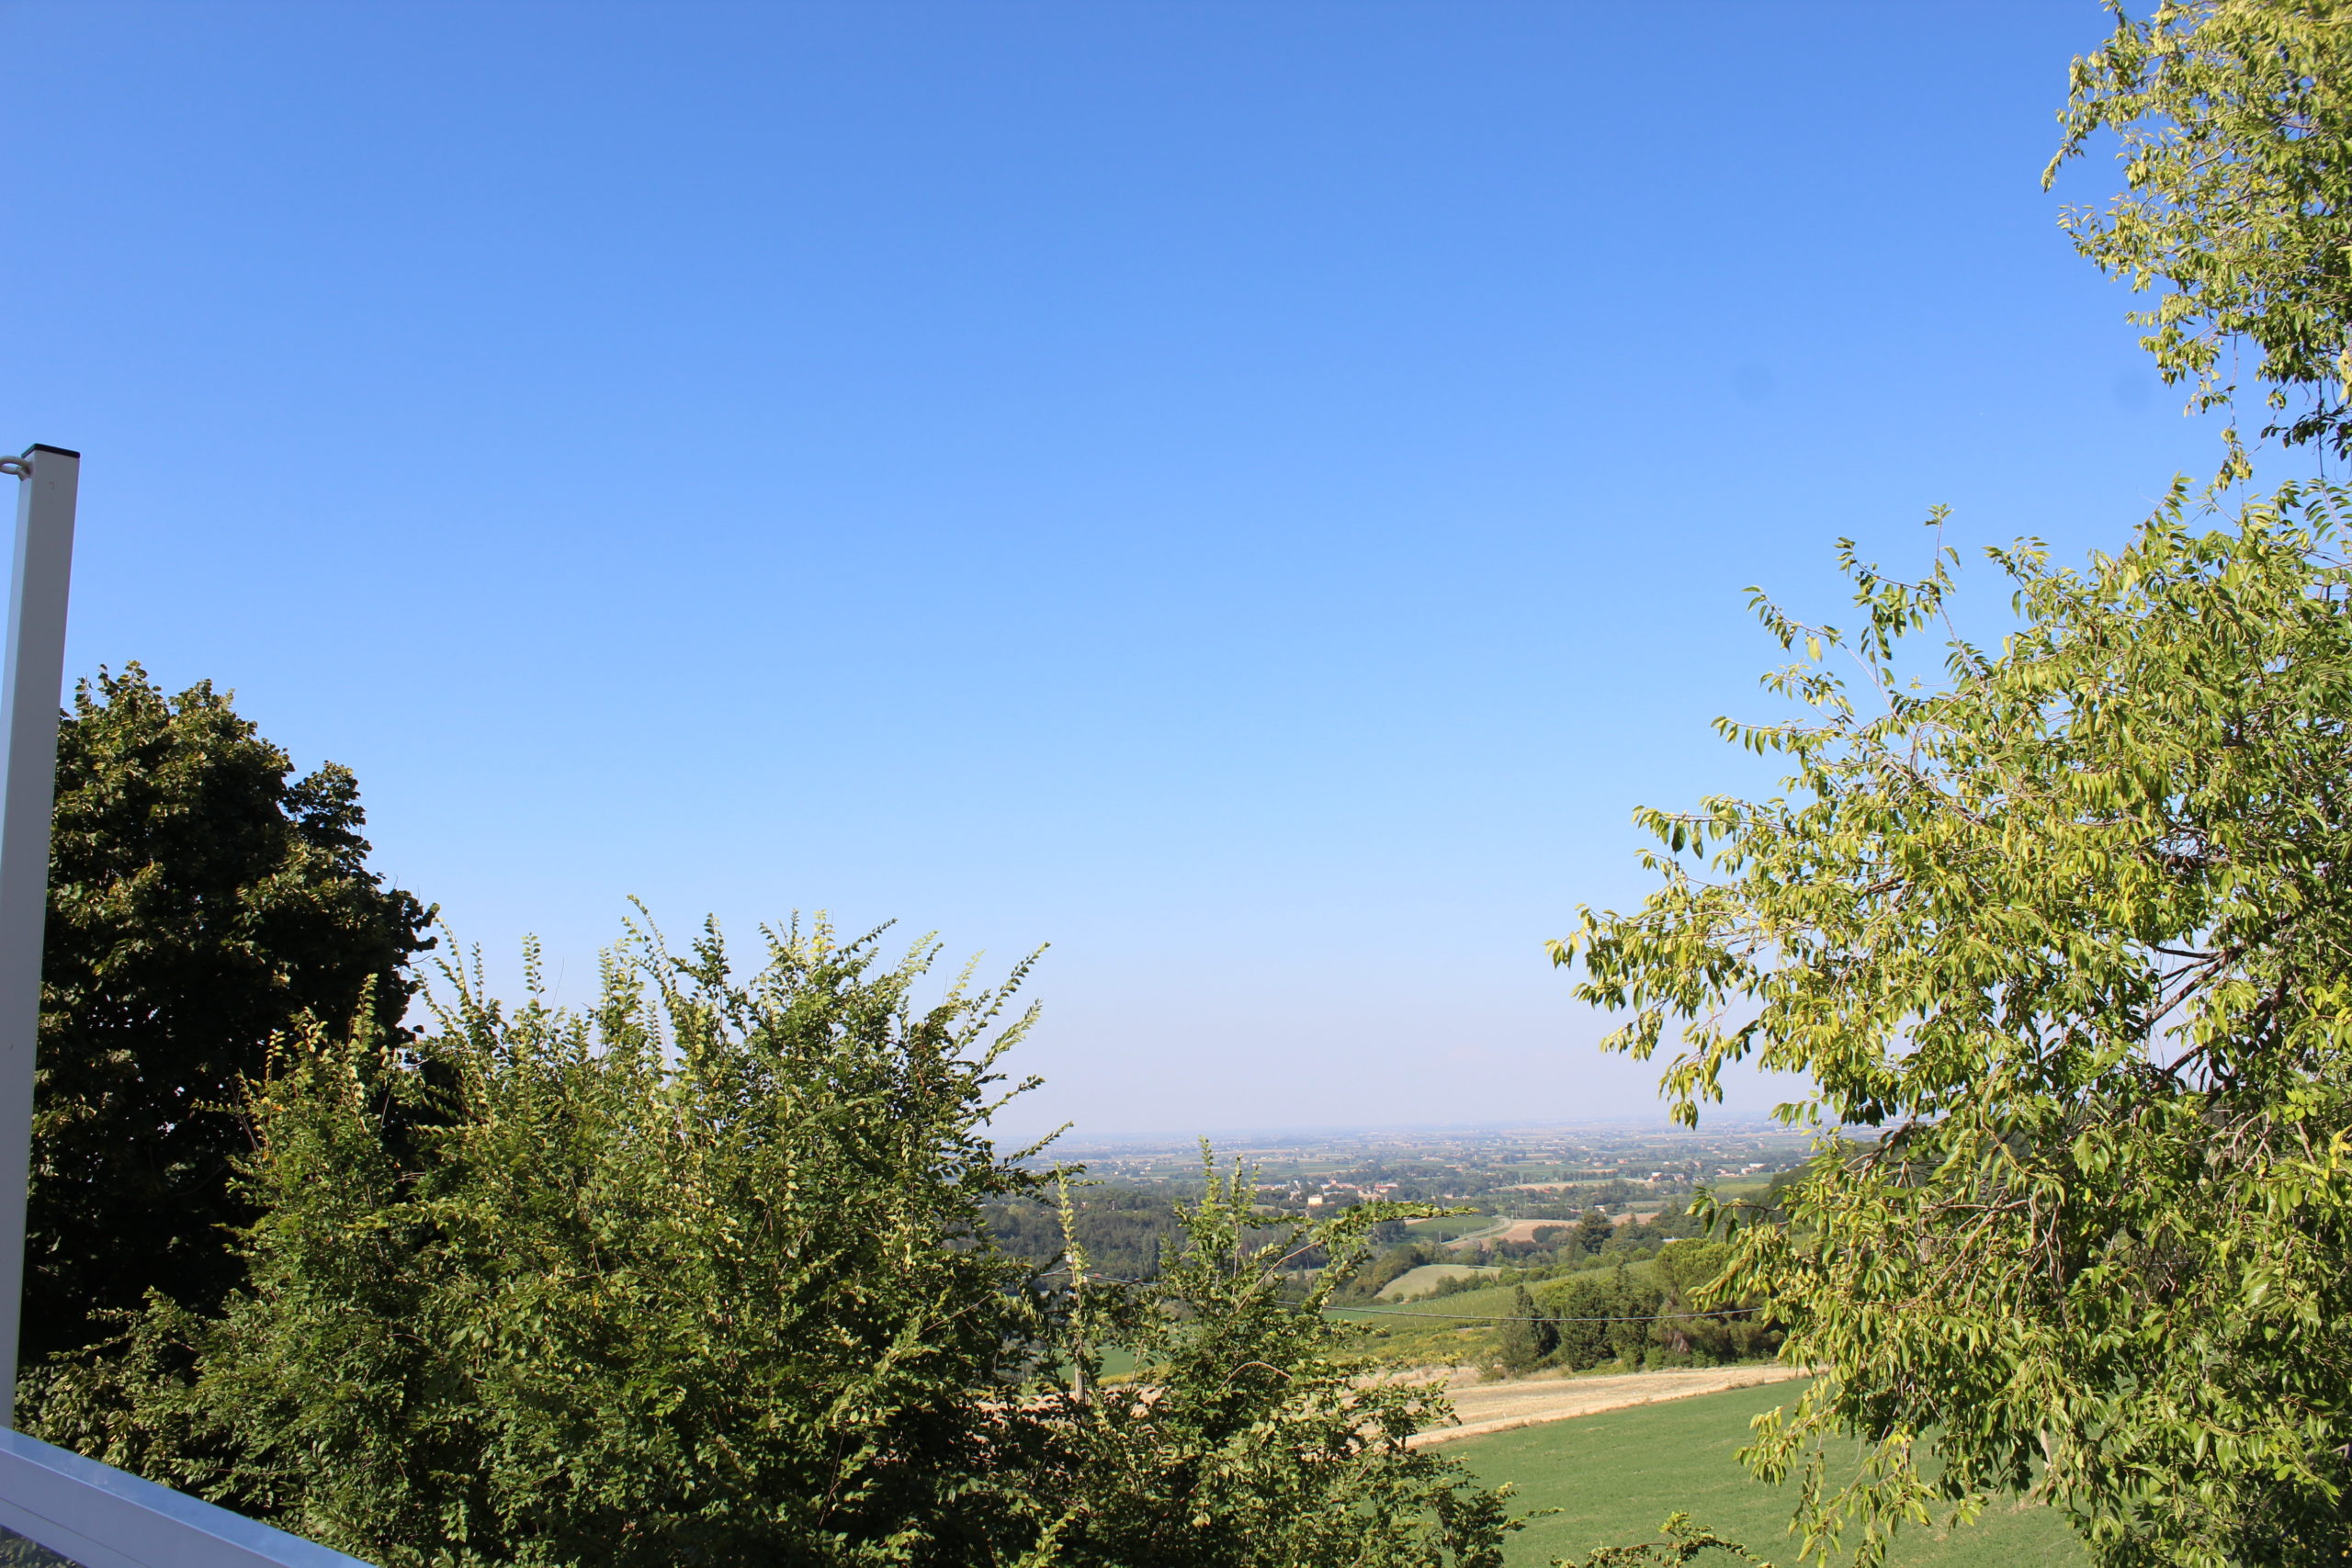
x=703 y=1275
x=1599 y=1315
x=690 y=1277
x=1697 y=1320
x=1526 y=1337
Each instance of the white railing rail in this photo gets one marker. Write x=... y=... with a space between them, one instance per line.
x=102 y=1517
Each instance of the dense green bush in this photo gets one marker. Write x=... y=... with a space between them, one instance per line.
x=1695 y=1322
x=702 y=1275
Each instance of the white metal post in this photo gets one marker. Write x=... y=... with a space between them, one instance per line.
x=48 y=478
x=90 y=1513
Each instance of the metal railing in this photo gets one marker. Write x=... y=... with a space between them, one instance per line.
x=99 y=1517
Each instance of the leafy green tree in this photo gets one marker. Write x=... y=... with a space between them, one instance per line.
x=1594 y=1230
x=2062 y=933
x=703 y=1274
x=1600 y=1315
x=202 y=899
x=2235 y=126
x=2060 y=936
x=1527 y=1337
x=1695 y=1322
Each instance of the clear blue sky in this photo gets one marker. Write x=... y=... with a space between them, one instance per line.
x=1251 y=495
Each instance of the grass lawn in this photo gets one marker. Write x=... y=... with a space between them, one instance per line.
x=1397 y=1332
x=1494 y=1301
x=1435 y=1330
x=1615 y=1476
x=1491 y=1300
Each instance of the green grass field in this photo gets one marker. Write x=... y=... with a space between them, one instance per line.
x=1614 y=1477
x=1447 y=1226
x=1459 y=1328
x=1398 y=1331
x=1451 y=1334
x=1740 y=1186
x=1416 y=1282
x=1495 y=1300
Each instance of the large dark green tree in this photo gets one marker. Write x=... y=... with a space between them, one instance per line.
x=203 y=898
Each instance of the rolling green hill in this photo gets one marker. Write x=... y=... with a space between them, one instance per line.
x=1614 y=1477
x=1434 y=1331
x=1418 y=1282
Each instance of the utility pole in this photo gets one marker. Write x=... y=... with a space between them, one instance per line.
x=47 y=477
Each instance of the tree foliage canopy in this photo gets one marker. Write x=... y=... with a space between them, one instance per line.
x=201 y=899
x=2234 y=124
x=2069 y=927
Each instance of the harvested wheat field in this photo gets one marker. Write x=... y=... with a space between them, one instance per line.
x=1484 y=1408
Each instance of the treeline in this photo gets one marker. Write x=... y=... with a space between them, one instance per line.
x=1661 y=1316
x=1596 y=1238
x=1126 y=1231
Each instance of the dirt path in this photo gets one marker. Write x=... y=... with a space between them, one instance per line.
x=1500 y=1406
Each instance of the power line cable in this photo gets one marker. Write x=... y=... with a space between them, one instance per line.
x=1458 y=1316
